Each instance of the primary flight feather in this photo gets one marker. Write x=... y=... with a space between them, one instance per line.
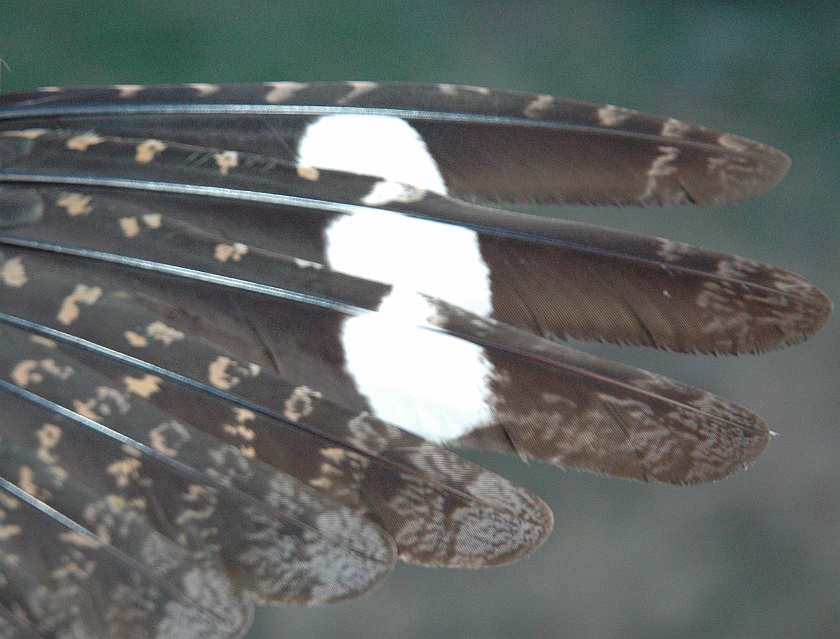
x=238 y=323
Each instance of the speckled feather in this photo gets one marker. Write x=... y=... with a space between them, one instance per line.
x=182 y=415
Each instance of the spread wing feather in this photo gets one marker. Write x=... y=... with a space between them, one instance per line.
x=175 y=320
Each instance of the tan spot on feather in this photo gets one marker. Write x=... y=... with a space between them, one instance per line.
x=75 y=204
x=226 y=160
x=282 y=91
x=130 y=450
x=86 y=409
x=357 y=89
x=168 y=438
x=163 y=333
x=537 y=106
x=125 y=471
x=336 y=455
x=136 y=340
x=61 y=372
x=27 y=134
x=227 y=252
x=25 y=373
x=84 y=141
x=26 y=482
x=43 y=341
x=48 y=437
x=224 y=372
x=145 y=386
x=7 y=531
x=309 y=173
x=204 y=89
x=129 y=90
x=79 y=540
x=130 y=227
x=153 y=220
x=307 y=264
x=674 y=128
x=609 y=115
x=300 y=403
x=320 y=482
x=69 y=311
x=13 y=274
x=147 y=151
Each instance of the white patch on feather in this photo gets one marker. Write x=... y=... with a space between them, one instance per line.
x=424 y=381
x=377 y=145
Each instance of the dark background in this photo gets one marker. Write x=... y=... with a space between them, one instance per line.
x=757 y=555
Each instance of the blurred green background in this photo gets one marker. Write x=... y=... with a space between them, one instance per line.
x=757 y=555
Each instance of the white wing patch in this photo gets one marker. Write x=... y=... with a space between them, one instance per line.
x=421 y=380
x=377 y=145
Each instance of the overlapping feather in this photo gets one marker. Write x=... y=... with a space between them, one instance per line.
x=166 y=300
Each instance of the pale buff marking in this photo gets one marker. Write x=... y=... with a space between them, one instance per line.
x=13 y=274
x=335 y=455
x=226 y=160
x=309 y=173
x=320 y=482
x=223 y=372
x=230 y=252
x=453 y=89
x=26 y=482
x=307 y=264
x=674 y=128
x=103 y=405
x=609 y=115
x=61 y=372
x=129 y=90
x=79 y=541
x=69 y=311
x=43 y=341
x=145 y=386
x=386 y=192
x=74 y=572
x=8 y=502
x=51 y=90
x=8 y=531
x=329 y=469
x=130 y=450
x=242 y=417
x=86 y=409
x=26 y=134
x=198 y=495
x=537 y=106
x=204 y=89
x=662 y=166
x=733 y=143
x=160 y=438
x=152 y=220
x=27 y=371
x=300 y=403
x=75 y=204
x=148 y=150
x=125 y=471
x=48 y=437
x=136 y=340
x=357 y=89
x=84 y=141
x=130 y=227
x=163 y=333
x=282 y=91
x=248 y=451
